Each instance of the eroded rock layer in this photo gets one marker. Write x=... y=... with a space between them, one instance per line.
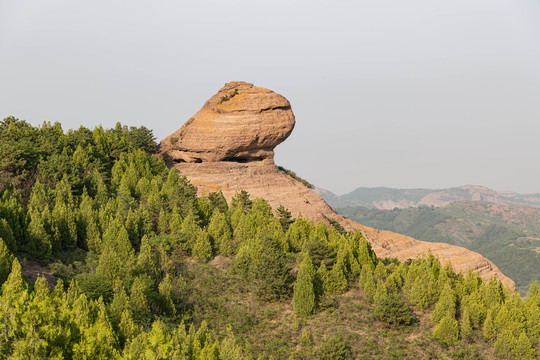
x=264 y=179
x=241 y=122
x=229 y=144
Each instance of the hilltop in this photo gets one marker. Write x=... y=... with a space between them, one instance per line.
x=385 y=198
x=228 y=146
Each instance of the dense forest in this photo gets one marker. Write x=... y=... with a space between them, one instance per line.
x=134 y=265
x=508 y=236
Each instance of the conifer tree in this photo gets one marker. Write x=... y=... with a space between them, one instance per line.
x=533 y=322
x=163 y=223
x=218 y=201
x=202 y=249
x=320 y=281
x=12 y=213
x=204 y=209
x=337 y=280
x=524 y=348
x=6 y=259
x=445 y=306
x=39 y=241
x=229 y=349
x=380 y=293
x=268 y=269
x=13 y=298
x=64 y=226
x=175 y=223
x=285 y=217
x=489 y=330
x=367 y=283
x=190 y=232
x=127 y=328
x=319 y=251
x=304 y=293
x=505 y=345
x=447 y=331
x=392 y=309
x=380 y=272
x=139 y=300
x=297 y=234
x=533 y=295
x=236 y=217
x=393 y=283
x=466 y=326
x=166 y=288
x=245 y=230
x=7 y=235
x=475 y=307
x=493 y=293
x=241 y=200
x=320 y=230
x=146 y=260
x=365 y=256
x=120 y=302
x=221 y=233
x=98 y=341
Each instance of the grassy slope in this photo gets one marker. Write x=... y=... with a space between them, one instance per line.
x=222 y=299
x=508 y=236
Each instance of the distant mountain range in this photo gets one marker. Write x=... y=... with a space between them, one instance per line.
x=384 y=198
x=474 y=217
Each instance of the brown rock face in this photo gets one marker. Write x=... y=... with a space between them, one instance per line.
x=230 y=148
x=241 y=122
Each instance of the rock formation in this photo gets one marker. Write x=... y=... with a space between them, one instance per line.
x=229 y=146
x=240 y=123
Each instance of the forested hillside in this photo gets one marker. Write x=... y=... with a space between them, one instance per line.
x=142 y=268
x=508 y=236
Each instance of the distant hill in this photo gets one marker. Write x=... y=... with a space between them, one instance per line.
x=507 y=235
x=388 y=198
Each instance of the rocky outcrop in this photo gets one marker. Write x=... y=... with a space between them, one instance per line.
x=230 y=148
x=390 y=244
x=241 y=122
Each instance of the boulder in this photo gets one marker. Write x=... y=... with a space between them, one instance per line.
x=240 y=123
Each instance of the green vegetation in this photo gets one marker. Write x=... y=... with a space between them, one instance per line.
x=230 y=96
x=145 y=269
x=508 y=236
x=173 y=140
x=296 y=177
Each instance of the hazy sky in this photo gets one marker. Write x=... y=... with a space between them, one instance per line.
x=386 y=93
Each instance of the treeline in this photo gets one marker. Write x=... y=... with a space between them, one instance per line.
x=137 y=224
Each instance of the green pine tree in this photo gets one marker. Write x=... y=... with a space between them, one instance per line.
x=505 y=345
x=524 y=348
x=447 y=331
x=6 y=259
x=202 y=249
x=445 y=306
x=221 y=233
x=304 y=293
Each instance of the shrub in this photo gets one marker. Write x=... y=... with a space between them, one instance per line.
x=296 y=177
x=334 y=348
x=392 y=309
x=174 y=140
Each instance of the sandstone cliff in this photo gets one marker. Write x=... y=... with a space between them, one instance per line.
x=228 y=145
